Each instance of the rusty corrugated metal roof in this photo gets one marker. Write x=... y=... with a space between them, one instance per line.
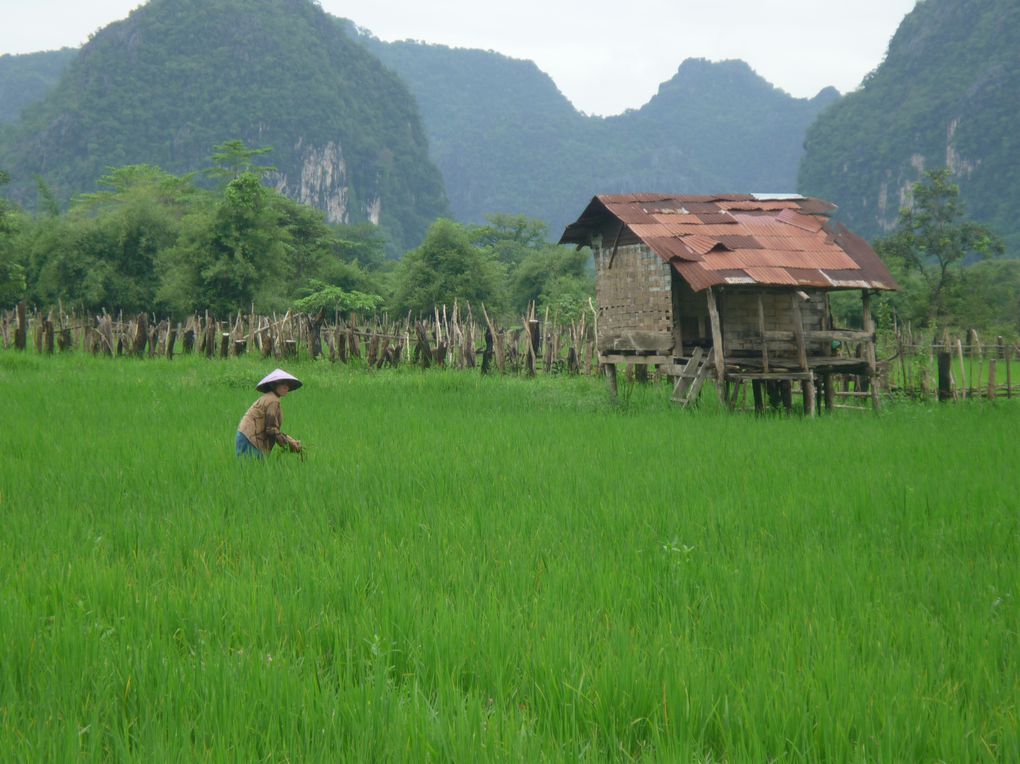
x=738 y=239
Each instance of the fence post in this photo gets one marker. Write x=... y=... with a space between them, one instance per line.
x=21 y=328
x=1008 y=357
x=945 y=381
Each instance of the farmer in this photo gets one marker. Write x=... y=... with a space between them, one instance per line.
x=259 y=429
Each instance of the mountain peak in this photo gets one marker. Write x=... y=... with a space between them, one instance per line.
x=178 y=77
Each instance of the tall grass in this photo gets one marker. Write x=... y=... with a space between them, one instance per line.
x=470 y=569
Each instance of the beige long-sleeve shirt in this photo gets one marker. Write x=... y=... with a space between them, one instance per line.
x=262 y=424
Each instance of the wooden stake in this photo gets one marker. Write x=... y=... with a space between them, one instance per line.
x=945 y=376
x=1008 y=358
x=963 y=370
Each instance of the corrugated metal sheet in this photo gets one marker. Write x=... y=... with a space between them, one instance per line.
x=808 y=223
x=759 y=206
x=771 y=276
x=717 y=218
x=700 y=244
x=696 y=276
x=741 y=242
x=775 y=242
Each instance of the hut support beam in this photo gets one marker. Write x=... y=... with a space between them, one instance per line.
x=807 y=385
x=611 y=381
x=717 y=344
x=869 y=347
x=761 y=329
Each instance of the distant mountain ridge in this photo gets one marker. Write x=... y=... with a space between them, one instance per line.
x=947 y=94
x=507 y=140
x=28 y=78
x=502 y=134
x=178 y=77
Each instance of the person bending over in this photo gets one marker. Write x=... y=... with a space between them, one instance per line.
x=261 y=427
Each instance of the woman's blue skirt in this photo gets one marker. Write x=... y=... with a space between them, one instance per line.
x=245 y=447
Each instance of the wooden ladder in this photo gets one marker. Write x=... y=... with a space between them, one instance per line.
x=692 y=378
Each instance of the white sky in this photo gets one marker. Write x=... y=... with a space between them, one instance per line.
x=604 y=56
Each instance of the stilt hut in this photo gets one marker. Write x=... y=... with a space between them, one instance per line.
x=732 y=287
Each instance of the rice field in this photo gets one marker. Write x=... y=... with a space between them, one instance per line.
x=468 y=569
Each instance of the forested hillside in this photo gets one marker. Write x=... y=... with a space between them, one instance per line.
x=28 y=78
x=507 y=140
x=504 y=137
x=947 y=94
x=178 y=77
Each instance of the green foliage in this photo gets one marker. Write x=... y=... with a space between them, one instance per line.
x=12 y=273
x=945 y=94
x=323 y=296
x=448 y=267
x=507 y=265
x=933 y=241
x=235 y=158
x=46 y=203
x=149 y=240
x=510 y=238
x=986 y=296
x=555 y=277
x=179 y=76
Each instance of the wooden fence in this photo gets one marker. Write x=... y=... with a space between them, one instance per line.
x=911 y=364
x=453 y=338
x=946 y=368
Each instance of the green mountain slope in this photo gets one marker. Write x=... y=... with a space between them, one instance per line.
x=507 y=140
x=180 y=76
x=27 y=79
x=947 y=94
x=723 y=125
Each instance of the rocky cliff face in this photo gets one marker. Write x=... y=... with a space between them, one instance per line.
x=322 y=181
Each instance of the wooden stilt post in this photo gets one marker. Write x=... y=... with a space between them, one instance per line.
x=786 y=389
x=807 y=386
x=830 y=393
x=759 y=398
x=761 y=330
x=717 y=344
x=869 y=328
x=611 y=381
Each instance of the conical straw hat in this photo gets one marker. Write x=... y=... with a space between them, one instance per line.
x=278 y=375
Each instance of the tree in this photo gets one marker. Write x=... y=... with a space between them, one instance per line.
x=235 y=158
x=554 y=277
x=511 y=238
x=229 y=257
x=447 y=267
x=934 y=240
x=12 y=274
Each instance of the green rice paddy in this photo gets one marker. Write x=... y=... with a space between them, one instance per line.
x=468 y=569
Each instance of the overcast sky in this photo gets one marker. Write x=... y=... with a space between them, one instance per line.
x=604 y=56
